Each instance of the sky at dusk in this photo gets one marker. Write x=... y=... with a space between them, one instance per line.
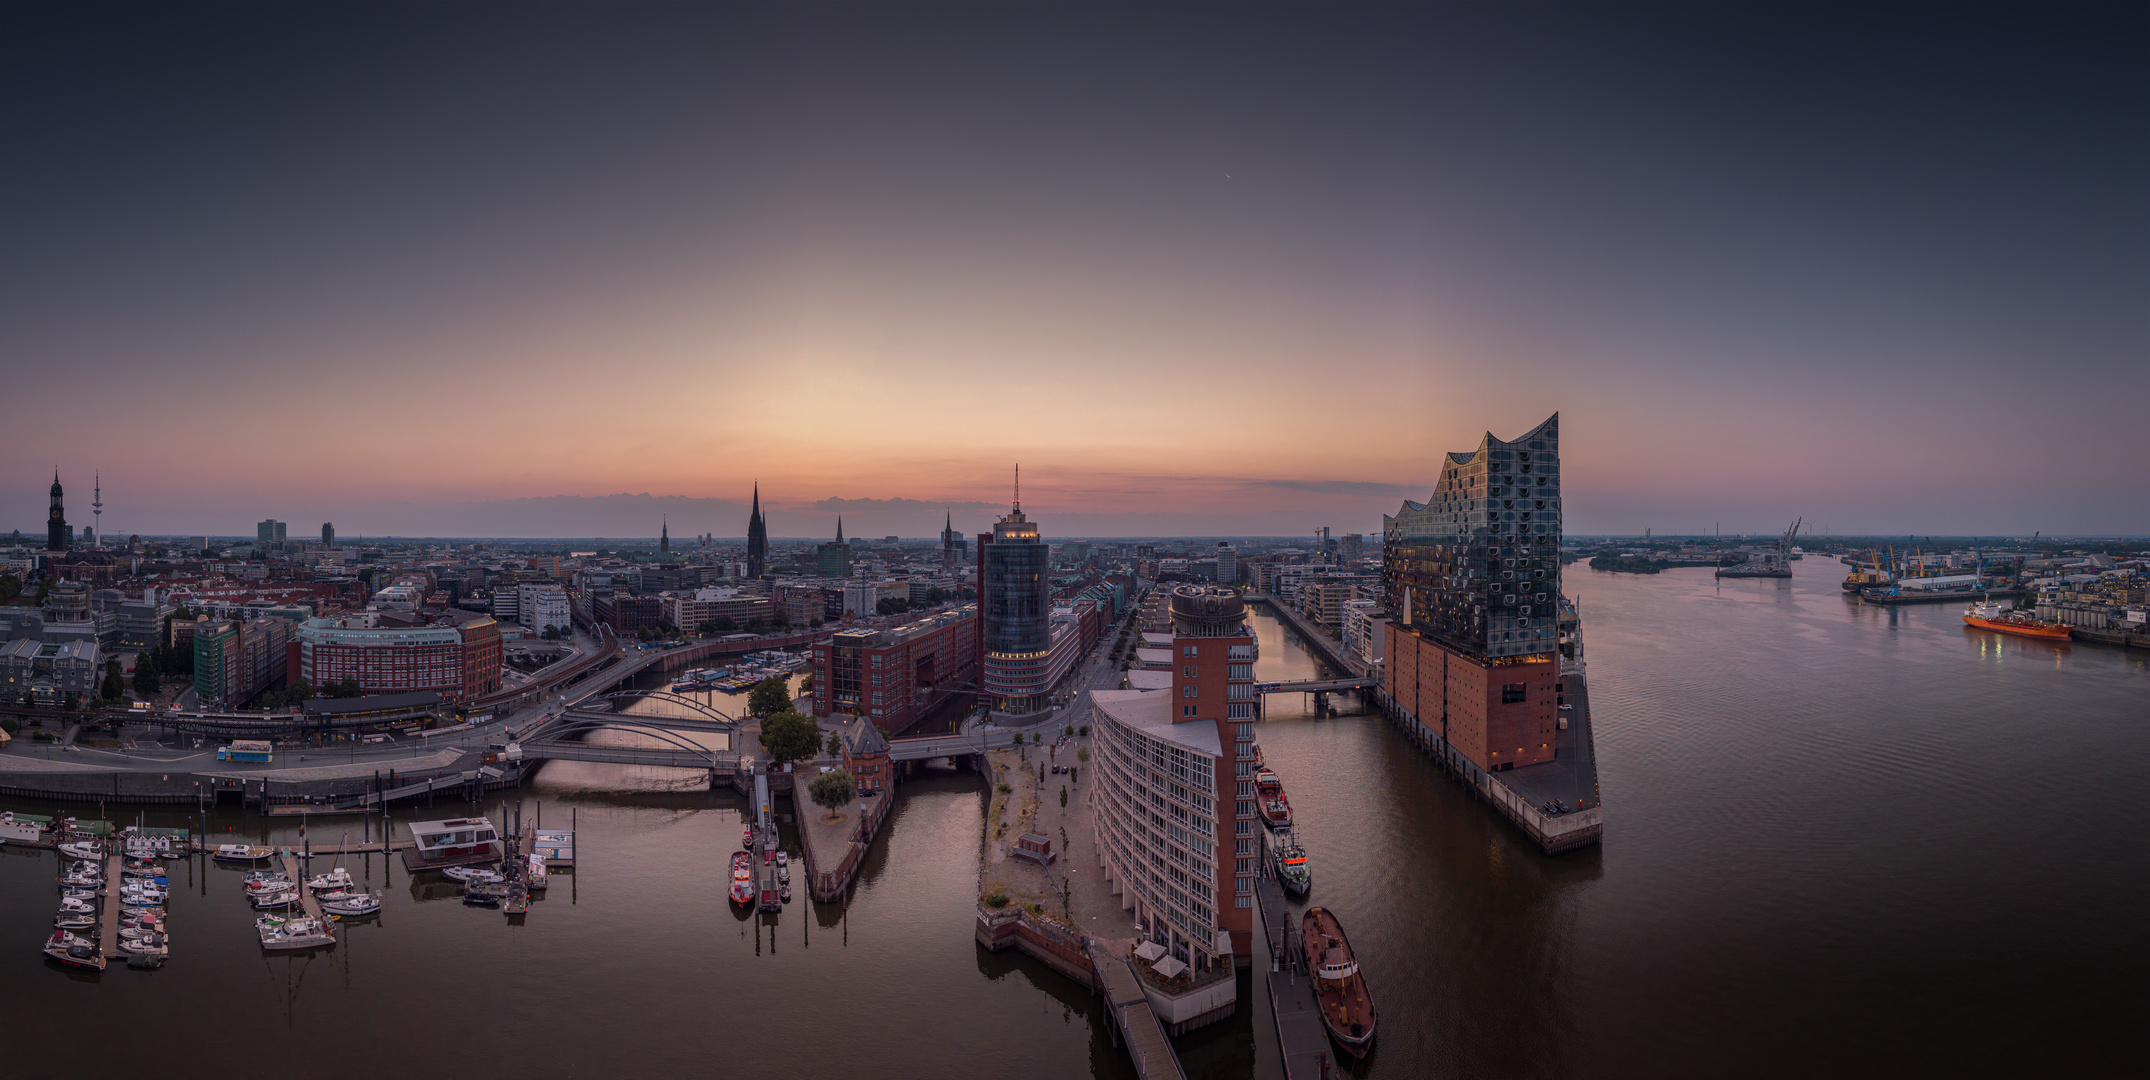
x=1217 y=269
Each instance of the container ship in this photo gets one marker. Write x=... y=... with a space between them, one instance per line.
x=1347 y=1007
x=1994 y=617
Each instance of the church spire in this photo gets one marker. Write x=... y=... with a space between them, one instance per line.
x=839 y=528
x=664 y=535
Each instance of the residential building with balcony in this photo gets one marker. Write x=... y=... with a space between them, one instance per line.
x=1173 y=798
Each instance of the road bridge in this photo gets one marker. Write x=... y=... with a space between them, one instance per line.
x=680 y=757
x=933 y=746
x=1319 y=685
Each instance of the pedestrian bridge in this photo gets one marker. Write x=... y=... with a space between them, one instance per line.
x=1312 y=686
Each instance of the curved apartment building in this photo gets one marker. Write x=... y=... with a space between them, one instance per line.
x=1173 y=799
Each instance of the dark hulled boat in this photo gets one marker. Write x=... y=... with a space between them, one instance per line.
x=1347 y=1007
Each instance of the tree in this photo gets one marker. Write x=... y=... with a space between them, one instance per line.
x=10 y=588
x=1082 y=753
x=836 y=744
x=114 y=688
x=723 y=624
x=788 y=736
x=1063 y=796
x=806 y=685
x=830 y=791
x=146 y=680
x=936 y=596
x=706 y=628
x=769 y=697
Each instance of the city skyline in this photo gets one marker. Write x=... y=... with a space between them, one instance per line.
x=581 y=254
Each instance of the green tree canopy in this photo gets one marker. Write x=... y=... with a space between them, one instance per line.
x=788 y=736
x=146 y=679
x=832 y=789
x=769 y=697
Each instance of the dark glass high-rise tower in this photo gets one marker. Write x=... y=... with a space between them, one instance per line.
x=1015 y=613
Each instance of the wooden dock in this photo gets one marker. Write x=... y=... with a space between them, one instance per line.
x=1134 y=1020
x=108 y=917
x=306 y=895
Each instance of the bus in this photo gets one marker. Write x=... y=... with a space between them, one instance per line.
x=245 y=750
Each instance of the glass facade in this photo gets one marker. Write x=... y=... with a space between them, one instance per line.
x=1477 y=566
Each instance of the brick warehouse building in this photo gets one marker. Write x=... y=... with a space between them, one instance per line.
x=456 y=663
x=1471 y=582
x=894 y=677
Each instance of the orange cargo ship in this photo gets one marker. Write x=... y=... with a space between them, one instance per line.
x=1996 y=618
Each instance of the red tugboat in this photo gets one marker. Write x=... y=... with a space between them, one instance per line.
x=1276 y=809
x=1347 y=1007
x=742 y=878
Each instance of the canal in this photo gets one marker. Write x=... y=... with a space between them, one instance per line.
x=1838 y=839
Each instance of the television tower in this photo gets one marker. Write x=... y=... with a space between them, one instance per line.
x=97 y=507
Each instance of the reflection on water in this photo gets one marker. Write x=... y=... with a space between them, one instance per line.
x=1839 y=840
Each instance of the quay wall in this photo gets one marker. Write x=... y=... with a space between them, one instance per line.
x=1552 y=833
x=1055 y=946
x=2111 y=637
x=188 y=787
x=828 y=881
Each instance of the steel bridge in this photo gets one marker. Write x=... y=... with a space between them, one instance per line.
x=1315 y=686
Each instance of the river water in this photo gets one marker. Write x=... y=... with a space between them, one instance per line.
x=1838 y=840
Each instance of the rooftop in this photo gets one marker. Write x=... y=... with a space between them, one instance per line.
x=1151 y=714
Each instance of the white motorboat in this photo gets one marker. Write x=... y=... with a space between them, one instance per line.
x=82 y=849
x=783 y=859
x=153 y=893
x=72 y=906
x=353 y=905
x=80 y=892
x=538 y=875
x=139 y=932
x=338 y=878
x=472 y=875
x=300 y=933
x=74 y=921
x=278 y=883
x=74 y=951
x=783 y=873
x=86 y=866
x=151 y=870
x=151 y=920
x=243 y=852
x=150 y=945
x=266 y=900
x=266 y=923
